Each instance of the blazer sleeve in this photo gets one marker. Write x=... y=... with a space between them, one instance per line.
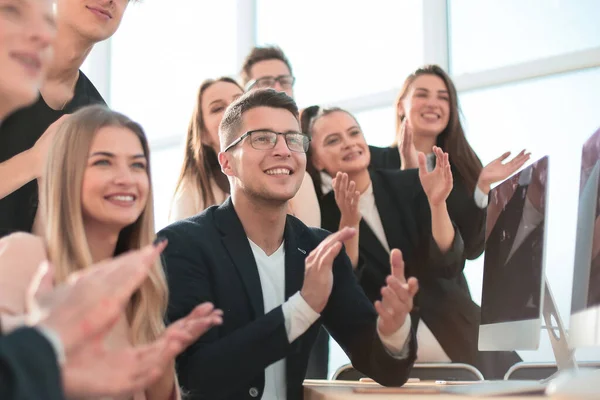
x=449 y=264
x=216 y=365
x=468 y=217
x=28 y=367
x=352 y=321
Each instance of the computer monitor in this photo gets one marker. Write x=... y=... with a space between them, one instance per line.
x=513 y=277
x=585 y=304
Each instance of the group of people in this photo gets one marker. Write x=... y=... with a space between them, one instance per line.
x=230 y=300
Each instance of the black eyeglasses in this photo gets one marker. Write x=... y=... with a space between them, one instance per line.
x=265 y=139
x=285 y=81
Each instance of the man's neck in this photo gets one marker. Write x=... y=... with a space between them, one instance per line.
x=70 y=52
x=424 y=143
x=263 y=222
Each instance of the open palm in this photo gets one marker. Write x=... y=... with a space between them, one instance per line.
x=438 y=183
x=406 y=147
x=497 y=170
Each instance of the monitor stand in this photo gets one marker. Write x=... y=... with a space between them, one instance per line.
x=563 y=353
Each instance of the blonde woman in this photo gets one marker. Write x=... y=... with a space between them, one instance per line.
x=96 y=200
x=201 y=183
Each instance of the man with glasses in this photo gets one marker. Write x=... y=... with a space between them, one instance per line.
x=268 y=67
x=276 y=279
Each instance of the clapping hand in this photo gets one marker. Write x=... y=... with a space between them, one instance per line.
x=396 y=297
x=438 y=183
x=497 y=170
x=346 y=197
x=406 y=147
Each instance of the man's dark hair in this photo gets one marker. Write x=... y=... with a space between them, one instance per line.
x=259 y=54
x=230 y=126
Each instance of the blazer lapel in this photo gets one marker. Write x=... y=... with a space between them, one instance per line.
x=368 y=243
x=391 y=210
x=236 y=242
x=296 y=251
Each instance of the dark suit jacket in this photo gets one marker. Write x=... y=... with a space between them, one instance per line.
x=520 y=275
x=402 y=205
x=28 y=367
x=209 y=259
x=468 y=217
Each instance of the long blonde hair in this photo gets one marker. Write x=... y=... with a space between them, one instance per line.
x=65 y=235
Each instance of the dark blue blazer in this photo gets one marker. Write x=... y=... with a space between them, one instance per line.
x=28 y=367
x=209 y=259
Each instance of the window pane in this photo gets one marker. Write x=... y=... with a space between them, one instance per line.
x=340 y=49
x=554 y=116
x=378 y=125
x=495 y=33
x=160 y=55
x=165 y=167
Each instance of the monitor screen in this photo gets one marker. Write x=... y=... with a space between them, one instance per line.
x=585 y=304
x=513 y=277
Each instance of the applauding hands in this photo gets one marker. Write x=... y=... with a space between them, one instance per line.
x=438 y=183
x=347 y=198
x=84 y=309
x=497 y=170
x=406 y=147
x=396 y=297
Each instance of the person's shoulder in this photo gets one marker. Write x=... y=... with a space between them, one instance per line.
x=313 y=234
x=22 y=242
x=194 y=227
x=86 y=93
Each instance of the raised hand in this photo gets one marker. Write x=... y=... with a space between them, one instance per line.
x=188 y=329
x=94 y=371
x=396 y=297
x=346 y=197
x=497 y=170
x=91 y=301
x=406 y=147
x=318 y=275
x=438 y=183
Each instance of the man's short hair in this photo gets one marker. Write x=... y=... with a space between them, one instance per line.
x=259 y=54
x=230 y=126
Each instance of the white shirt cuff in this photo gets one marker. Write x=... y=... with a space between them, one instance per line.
x=298 y=316
x=55 y=342
x=480 y=198
x=396 y=344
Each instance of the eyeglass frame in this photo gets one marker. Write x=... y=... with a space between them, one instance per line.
x=284 y=134
x=277 y=78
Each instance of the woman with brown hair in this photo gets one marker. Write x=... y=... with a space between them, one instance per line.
x=201 y=183
x=428 y=115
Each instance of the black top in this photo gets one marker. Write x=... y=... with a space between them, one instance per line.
x=18 y=133
x=209 y=259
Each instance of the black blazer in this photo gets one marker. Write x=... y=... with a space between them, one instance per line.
x=468 y=217
x=28 y=367
x=521 y=274
x=209 y=259
x=403 y=208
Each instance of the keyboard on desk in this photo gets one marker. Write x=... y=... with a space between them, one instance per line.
x=496 y=388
